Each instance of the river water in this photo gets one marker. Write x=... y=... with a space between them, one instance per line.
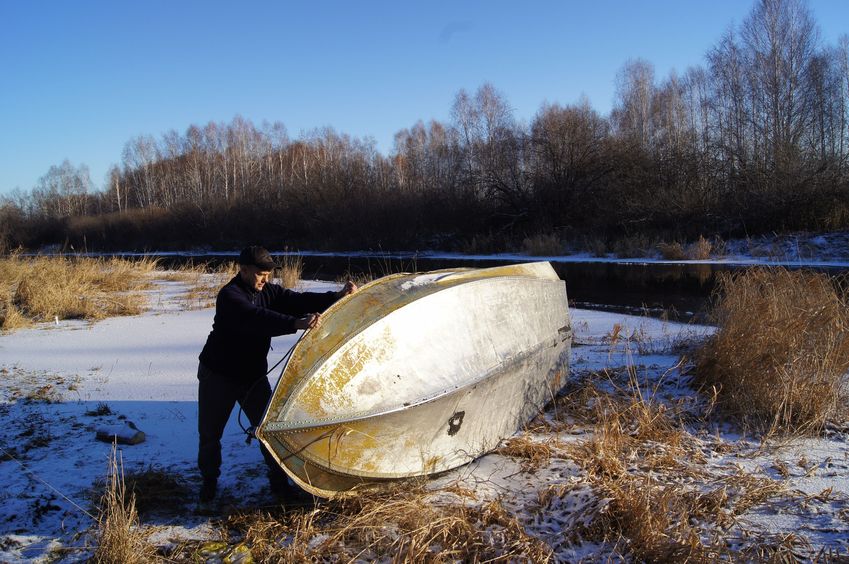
x=678 y=291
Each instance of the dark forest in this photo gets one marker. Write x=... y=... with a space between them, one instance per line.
x=753 y=141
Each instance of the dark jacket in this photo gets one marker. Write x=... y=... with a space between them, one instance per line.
x=245 y=320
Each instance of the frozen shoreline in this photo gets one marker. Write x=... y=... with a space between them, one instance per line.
x=828 y=250
x=143 y=368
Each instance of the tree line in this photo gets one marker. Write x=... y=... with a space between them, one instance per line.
x=754 y=140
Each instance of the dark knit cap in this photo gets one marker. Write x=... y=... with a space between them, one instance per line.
x=257 y=256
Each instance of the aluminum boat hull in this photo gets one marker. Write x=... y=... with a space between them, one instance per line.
x=417 y=374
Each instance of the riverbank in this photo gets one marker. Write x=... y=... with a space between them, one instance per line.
x=642 y=285
x=816 y=250
x=627 y=463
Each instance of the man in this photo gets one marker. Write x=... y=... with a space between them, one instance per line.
x=249 y=310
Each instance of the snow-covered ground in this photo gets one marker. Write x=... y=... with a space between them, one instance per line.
x=60 y=382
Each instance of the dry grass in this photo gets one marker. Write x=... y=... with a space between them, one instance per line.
x=655 y=523
x=657 y=502
x=358 y=278
x=789 y=547
x=700 y=250
x=47 y=288
x=632 y=430
x=483 y=243
x=408 y=526
x=542 y=245
x=596 y=247
x=200 y=294
x=672 y=251
x=291 y=270
x=378 y=268
x=634 y=246
x=531 y=452
x=635 y=437
x=203 y=282
x=778 y=359
x=10 y=317
x=40 y=289
x=119 y=538
x=401 y=524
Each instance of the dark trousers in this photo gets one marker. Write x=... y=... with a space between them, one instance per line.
x=217 y=395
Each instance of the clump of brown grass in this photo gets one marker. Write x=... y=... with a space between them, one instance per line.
x=630 y=423
x=203 y=281
x=187 y=272
x=202 y=289
x=596 y=247
x=401 y=524
x=47 y=288
x=200 y=295
x=291 y=270
x=657 y=523
x=483 y=243
x=700 y=250
x=358 y=278
x=780 y=352
x=119 y=538
x=672 y=251
x=10 y=317
x=745 y=491
x=634 y=460
x=542 y=244
x=639 y=433
x=634 y=246
x=532 y=453
x=787 y=547
x=410 y=527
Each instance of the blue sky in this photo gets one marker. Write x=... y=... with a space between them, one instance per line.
x=79 y=79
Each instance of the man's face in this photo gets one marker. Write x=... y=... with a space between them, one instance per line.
x=254 y=277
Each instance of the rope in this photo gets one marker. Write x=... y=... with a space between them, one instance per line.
x=249 y=431
x=33 y=475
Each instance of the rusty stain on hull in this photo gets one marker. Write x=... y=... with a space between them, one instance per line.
x=419 y=373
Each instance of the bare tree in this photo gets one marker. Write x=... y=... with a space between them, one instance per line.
x=63 y=190
x=634 y=93
x=569 y=158
x=781 y=40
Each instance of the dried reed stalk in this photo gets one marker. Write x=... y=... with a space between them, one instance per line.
x=401 y=525
x=291 y=270
x=119 y=539
x=47 y=288
x=778 y=359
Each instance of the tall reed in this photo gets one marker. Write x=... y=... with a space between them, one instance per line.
x=778 y=359
x=34 y=289
x=119 y=539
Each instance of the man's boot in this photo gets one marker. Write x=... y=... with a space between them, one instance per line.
x=208 y=490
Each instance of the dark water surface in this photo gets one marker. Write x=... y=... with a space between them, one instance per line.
x=679 y=291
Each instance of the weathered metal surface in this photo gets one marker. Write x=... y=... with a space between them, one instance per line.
x=419 y=373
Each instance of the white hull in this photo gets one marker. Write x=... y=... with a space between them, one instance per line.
x=418 y=374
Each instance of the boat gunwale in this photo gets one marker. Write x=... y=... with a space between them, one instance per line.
x=315 y=424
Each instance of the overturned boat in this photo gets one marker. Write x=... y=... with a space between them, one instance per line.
x=416 y=374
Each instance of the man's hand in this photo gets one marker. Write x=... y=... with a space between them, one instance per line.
x=349 y=288
x=309 y=321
